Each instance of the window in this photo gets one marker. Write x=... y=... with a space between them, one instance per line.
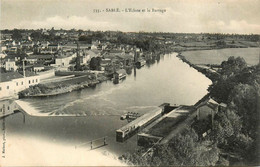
x=33 y=81
x=8 y=108
x=29 y=81
x=7 y=87
x=22 y=83
x=16 y=83
x=36 y=80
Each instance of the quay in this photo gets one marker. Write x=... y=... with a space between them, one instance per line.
x=138 y=124
x=162 y=124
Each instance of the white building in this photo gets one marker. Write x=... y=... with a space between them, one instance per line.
x=7 y=107
x=64 y=60
x=38 y=67
x=10 y=65
x=12 y=82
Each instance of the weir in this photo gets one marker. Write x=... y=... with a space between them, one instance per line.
x=27 y=108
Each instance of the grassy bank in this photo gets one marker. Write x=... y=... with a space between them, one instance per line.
x=213 y=76
x=251 y=55
x=65 y=86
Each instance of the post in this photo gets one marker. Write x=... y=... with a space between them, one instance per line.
x=24 y=118
x=212 y=119
x=23 y=70
x=91 y=145
x=78 y=58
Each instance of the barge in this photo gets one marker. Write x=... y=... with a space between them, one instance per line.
x=140 y=63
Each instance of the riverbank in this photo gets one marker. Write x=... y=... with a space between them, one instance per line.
x=62 y=87
x=82 y=81
x=213 y=76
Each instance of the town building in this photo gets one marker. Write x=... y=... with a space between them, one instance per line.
x=207 y=110
x=38 y=67
x=13 y=82
x=40 y=59
x=64 y=60
x=54 y=47
x=7 y=107
x=119 y=74
x=10 y=65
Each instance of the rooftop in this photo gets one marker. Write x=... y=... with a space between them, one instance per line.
x=121 y=71
x=4 y=77
x=40 y=56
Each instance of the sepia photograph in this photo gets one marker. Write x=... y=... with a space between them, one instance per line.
x=130 y=83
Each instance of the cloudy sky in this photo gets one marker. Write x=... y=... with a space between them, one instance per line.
x=222 y=16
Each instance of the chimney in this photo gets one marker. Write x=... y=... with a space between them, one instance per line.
x=23 y=70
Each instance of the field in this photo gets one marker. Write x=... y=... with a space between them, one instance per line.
x=251 y=55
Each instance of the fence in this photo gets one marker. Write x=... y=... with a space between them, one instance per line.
x=94 y=144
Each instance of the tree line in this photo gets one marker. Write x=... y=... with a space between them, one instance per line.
x=234 y=137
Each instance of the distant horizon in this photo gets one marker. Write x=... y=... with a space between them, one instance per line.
x=58 y=29
x=169 y=16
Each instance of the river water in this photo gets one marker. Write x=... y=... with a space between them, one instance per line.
x=63 y=123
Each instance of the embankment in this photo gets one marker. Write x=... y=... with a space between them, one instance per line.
x=211 y=75
x=61 y=87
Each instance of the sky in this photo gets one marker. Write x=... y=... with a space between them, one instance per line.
x=180 y=16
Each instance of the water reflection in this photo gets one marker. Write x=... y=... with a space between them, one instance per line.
x=91 y=113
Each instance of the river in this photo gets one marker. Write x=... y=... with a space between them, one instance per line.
x=61 y=123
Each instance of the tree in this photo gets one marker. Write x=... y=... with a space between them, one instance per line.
x=226 y=125
x=36 y=35
x=183 y=149
x=16 y=34
x=95 y=63
x=85 y=38
x=221 y=89
x=233 y=66
x=243 y=99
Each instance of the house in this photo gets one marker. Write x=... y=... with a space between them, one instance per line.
x=31 y=59
x=31 y=78
x=140 y=62
x=27 y=45
x=44 y=44
x=7 y=36
x=13 y=49
x=13 y=82
x=105 y=62
x=7 y=107
x=207 y=109
x=40 y=59
x=70 y=46
x=54 y=47
x=85 y=59
x=2 y=55
x=92 y=53
x=94 y=46
x=38 y=67
x=205 y=113
x=3 y=48
x=8 y=84
x=119 y=74
x=64 y=59
x=10 y=65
